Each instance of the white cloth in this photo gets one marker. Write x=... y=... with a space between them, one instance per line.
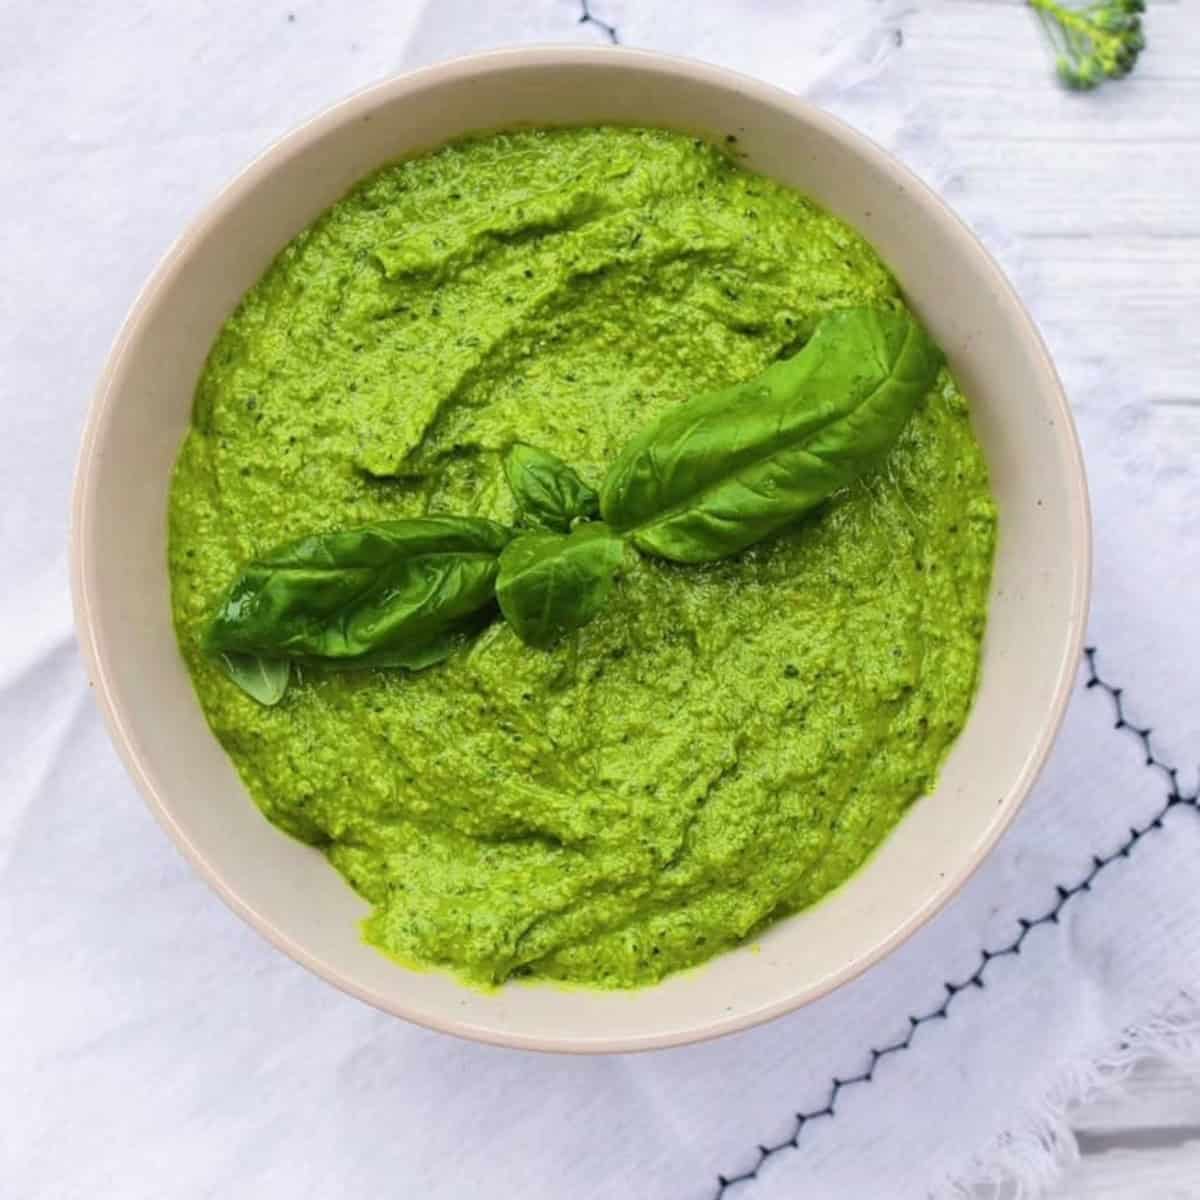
x=155 y=1047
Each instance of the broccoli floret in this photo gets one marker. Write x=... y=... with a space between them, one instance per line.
x=1092 y=44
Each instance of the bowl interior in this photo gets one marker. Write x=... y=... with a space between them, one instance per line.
x=142 y=410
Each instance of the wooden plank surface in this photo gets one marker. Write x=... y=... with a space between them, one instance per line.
x=1141 y=1142
x=1105 y=184
x=1106 y=190
x=1155 y=1099
x=1137 y=1174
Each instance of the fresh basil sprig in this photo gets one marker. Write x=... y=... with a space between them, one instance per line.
x=391 y=594
x=551 y=583
x=708 y=478
x=549 y=494
x=722 y=471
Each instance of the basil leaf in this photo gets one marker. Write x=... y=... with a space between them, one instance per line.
x=394 y=593
x=726 y=469
x=416 y=657
x=551 y=583
x=265 y=679
x=548 y=493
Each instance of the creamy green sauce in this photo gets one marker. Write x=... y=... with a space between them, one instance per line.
x=724 y=744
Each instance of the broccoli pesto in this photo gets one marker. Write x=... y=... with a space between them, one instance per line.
x=723 y=741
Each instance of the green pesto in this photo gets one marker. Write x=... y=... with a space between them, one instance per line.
x=723 y=744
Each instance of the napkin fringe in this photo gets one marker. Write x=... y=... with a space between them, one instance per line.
x=1029 y=1157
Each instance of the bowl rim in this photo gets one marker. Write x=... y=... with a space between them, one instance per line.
x=458 y=69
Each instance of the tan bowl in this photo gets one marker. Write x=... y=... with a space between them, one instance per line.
x=288 y=891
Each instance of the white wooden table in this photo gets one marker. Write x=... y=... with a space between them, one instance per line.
x=1107 y=184
x=1141 y=1144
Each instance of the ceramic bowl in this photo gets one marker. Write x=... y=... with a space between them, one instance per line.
x=286 y=890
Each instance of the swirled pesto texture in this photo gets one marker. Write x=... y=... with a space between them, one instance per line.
x=723 y=744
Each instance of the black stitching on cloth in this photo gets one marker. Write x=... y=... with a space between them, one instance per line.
x=587 y=17
x=1064 y=894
